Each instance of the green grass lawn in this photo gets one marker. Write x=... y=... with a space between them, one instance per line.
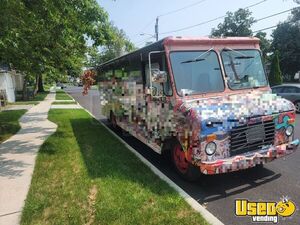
x=9 y=124
x=64 y=103
x=94 y=87
x=61 y=95
x=40 y=96
x=35 y=100
x=24 y=103
x=84 y=175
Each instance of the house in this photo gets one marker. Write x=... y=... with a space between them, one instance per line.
x=10 y=83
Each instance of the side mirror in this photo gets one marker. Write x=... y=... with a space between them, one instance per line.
x=151 y=91
x=158 y=76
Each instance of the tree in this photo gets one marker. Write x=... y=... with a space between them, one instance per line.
x=286 y=39
x=296 y=14
x=275 y=77
x=48 y=37
x=265 y=44
x=117 y=46
x=235 y=24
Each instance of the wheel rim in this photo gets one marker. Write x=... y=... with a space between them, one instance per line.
x=297 y=105
x=180 y=160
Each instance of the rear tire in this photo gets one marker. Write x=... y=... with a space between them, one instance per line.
x=259 y=166
x=184 y=168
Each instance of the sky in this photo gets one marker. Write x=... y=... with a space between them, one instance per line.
x=138 y=16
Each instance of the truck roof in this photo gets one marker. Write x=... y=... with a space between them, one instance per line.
x=142 y=53
x=210 y=40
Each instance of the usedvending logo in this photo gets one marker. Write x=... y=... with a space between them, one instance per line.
x=265 y=211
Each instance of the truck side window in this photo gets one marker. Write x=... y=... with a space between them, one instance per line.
x=167 y=85
x=157 y=86
x=166 y=88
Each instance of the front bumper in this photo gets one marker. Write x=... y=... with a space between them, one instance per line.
x=248 y=160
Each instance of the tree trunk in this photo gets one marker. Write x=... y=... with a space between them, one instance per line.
x=40 y=84
x=36 y=88
x=24 y=94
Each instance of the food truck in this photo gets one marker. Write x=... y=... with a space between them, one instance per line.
x=203 y=102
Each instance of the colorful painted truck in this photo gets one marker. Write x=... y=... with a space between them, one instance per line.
x=205 y=102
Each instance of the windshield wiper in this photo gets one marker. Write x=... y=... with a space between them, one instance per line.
x=193 y=60
x=232 y=50
x=244 y=57
x=198 y=58
x=255 y=87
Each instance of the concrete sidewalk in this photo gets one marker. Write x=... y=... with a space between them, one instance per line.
x=17 y=159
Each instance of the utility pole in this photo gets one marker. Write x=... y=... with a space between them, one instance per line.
x=156 y=29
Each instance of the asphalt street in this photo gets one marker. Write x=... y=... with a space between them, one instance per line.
x=218 y=192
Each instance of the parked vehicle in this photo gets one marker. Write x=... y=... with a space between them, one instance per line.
x=60 y=85
x=290 y=92
x=204 y=102
x=78 y=82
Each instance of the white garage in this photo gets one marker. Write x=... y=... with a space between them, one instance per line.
x=10 y=82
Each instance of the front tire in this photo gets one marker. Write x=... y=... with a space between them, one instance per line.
x=184 y=168
x=297 y=105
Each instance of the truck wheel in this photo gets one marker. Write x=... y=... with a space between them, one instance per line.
x=184 y=168
x=297 y=105
x=259 y=166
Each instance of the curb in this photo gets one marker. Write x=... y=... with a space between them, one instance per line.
x=208 y=216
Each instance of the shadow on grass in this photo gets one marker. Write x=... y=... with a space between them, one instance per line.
x=9 y=123
x=105 y=157
x=40 y=96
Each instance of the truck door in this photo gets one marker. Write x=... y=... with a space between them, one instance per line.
x=158 y=96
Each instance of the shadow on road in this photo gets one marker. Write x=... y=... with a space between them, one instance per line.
x=209 y=187
x=223 y=185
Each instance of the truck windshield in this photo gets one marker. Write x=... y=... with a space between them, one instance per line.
x=196 y=72
x=243 y=68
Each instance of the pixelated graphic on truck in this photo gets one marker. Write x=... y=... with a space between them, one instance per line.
x=205 y=102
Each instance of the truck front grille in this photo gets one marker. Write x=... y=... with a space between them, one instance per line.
x=251 y=137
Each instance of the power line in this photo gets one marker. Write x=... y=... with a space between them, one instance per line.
x=255 y=4
x=268 y=28
x=255 y=21
x=195 y=25
x=148 y=24
x=145 y=27
x=168 y=13
x=276 y=14
x=260 y=19
x=142 y=41
x=183 y=8
x=209 y=21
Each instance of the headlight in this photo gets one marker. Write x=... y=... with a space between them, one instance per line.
x=289 y=130
x=210 y=148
